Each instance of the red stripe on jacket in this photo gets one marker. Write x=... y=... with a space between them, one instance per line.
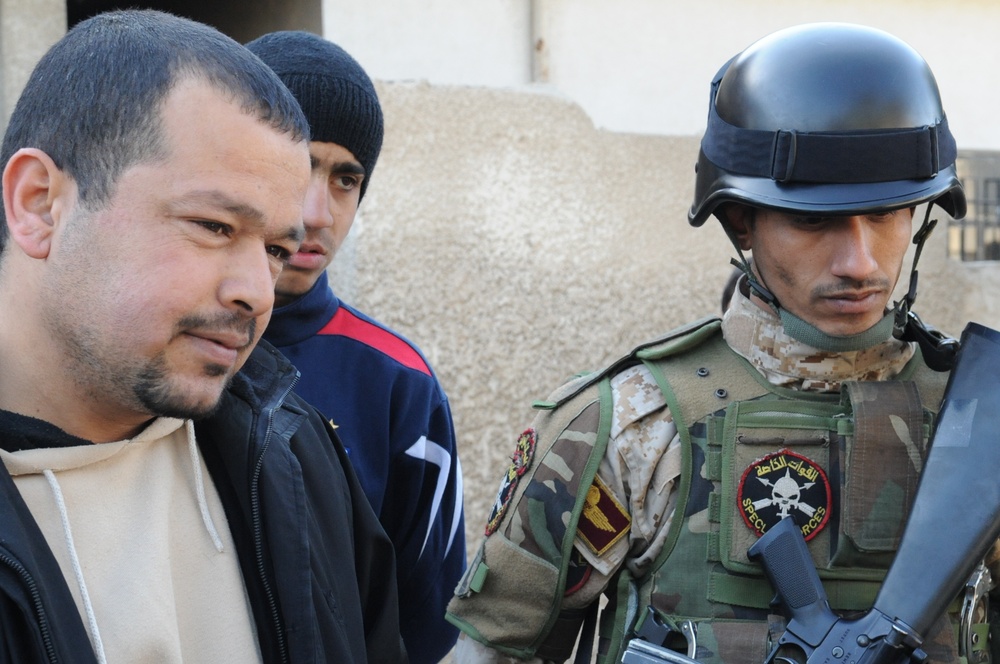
x=346 y=324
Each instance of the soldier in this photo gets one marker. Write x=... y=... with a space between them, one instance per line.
x=812 y=398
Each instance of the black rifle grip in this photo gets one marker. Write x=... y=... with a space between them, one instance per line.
x=785 y=558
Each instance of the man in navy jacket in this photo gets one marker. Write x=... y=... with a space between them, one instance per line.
x=375 y=385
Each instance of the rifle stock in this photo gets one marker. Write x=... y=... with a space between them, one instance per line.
x=959 y=491
x=954 y=520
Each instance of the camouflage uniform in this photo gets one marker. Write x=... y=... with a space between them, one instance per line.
x=606 y=462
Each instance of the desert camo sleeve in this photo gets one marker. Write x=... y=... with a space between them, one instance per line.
x=519 y=581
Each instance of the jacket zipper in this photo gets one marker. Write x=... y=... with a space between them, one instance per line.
x=258 y=528
x=36 y=600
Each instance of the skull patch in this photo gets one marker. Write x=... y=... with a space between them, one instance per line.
x=784 y=484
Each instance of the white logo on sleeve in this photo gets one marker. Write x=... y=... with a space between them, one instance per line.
x=433 y=453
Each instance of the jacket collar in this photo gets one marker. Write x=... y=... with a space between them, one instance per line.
x=303 y=318
x=265 y=379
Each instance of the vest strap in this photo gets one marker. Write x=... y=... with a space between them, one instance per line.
x=757 y=593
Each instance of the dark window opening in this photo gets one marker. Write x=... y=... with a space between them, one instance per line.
x=977 y=236
x=242 y=20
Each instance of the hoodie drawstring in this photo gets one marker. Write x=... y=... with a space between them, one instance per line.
x=95 y=633
x=199 y=484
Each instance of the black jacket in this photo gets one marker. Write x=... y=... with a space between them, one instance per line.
x=318 y=569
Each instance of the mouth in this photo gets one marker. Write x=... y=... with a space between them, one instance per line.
x=229 y=340
x=310 y=256
x=853 y=294
x=309 y=248
x=220 y=347
x=855 y=302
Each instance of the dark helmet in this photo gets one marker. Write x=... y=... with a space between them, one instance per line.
x=826 y=118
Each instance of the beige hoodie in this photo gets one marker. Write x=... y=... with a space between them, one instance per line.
x=144 y=545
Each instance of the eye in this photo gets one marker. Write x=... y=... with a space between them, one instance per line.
x=810 y=221
x=345 y=182
x=882 y=216
x=215 y=227
x=279 y=252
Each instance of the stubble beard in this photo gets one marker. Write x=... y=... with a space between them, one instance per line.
x=153 y=389
x=149 y=386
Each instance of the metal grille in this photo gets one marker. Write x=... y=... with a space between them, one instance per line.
x=977 y=236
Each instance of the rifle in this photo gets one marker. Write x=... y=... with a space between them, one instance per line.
x=959 y=491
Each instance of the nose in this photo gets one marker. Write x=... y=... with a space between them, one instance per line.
x=316 y=207
x=854 y=257
x=248 y=285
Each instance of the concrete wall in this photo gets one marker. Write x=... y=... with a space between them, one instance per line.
x=517 y=244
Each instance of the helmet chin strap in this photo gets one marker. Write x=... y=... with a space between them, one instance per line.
x=898 y=322
x=939 y=350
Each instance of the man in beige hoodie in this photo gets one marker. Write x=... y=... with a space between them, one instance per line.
x=153 y=186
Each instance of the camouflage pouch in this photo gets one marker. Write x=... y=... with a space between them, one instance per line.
x=509 y=597
x=886 y=450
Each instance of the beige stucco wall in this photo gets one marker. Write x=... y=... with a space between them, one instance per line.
x=516 y=245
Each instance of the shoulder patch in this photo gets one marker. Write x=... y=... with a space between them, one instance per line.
x=603 y=521
x=784 y=484
x=520 y=461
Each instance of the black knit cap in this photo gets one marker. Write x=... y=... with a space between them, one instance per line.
x=333 y=90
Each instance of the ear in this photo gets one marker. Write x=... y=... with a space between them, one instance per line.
x=739 y=219
x=36 y=195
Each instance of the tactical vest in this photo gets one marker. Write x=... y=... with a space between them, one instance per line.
x=752 y=454
x=867 y=444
